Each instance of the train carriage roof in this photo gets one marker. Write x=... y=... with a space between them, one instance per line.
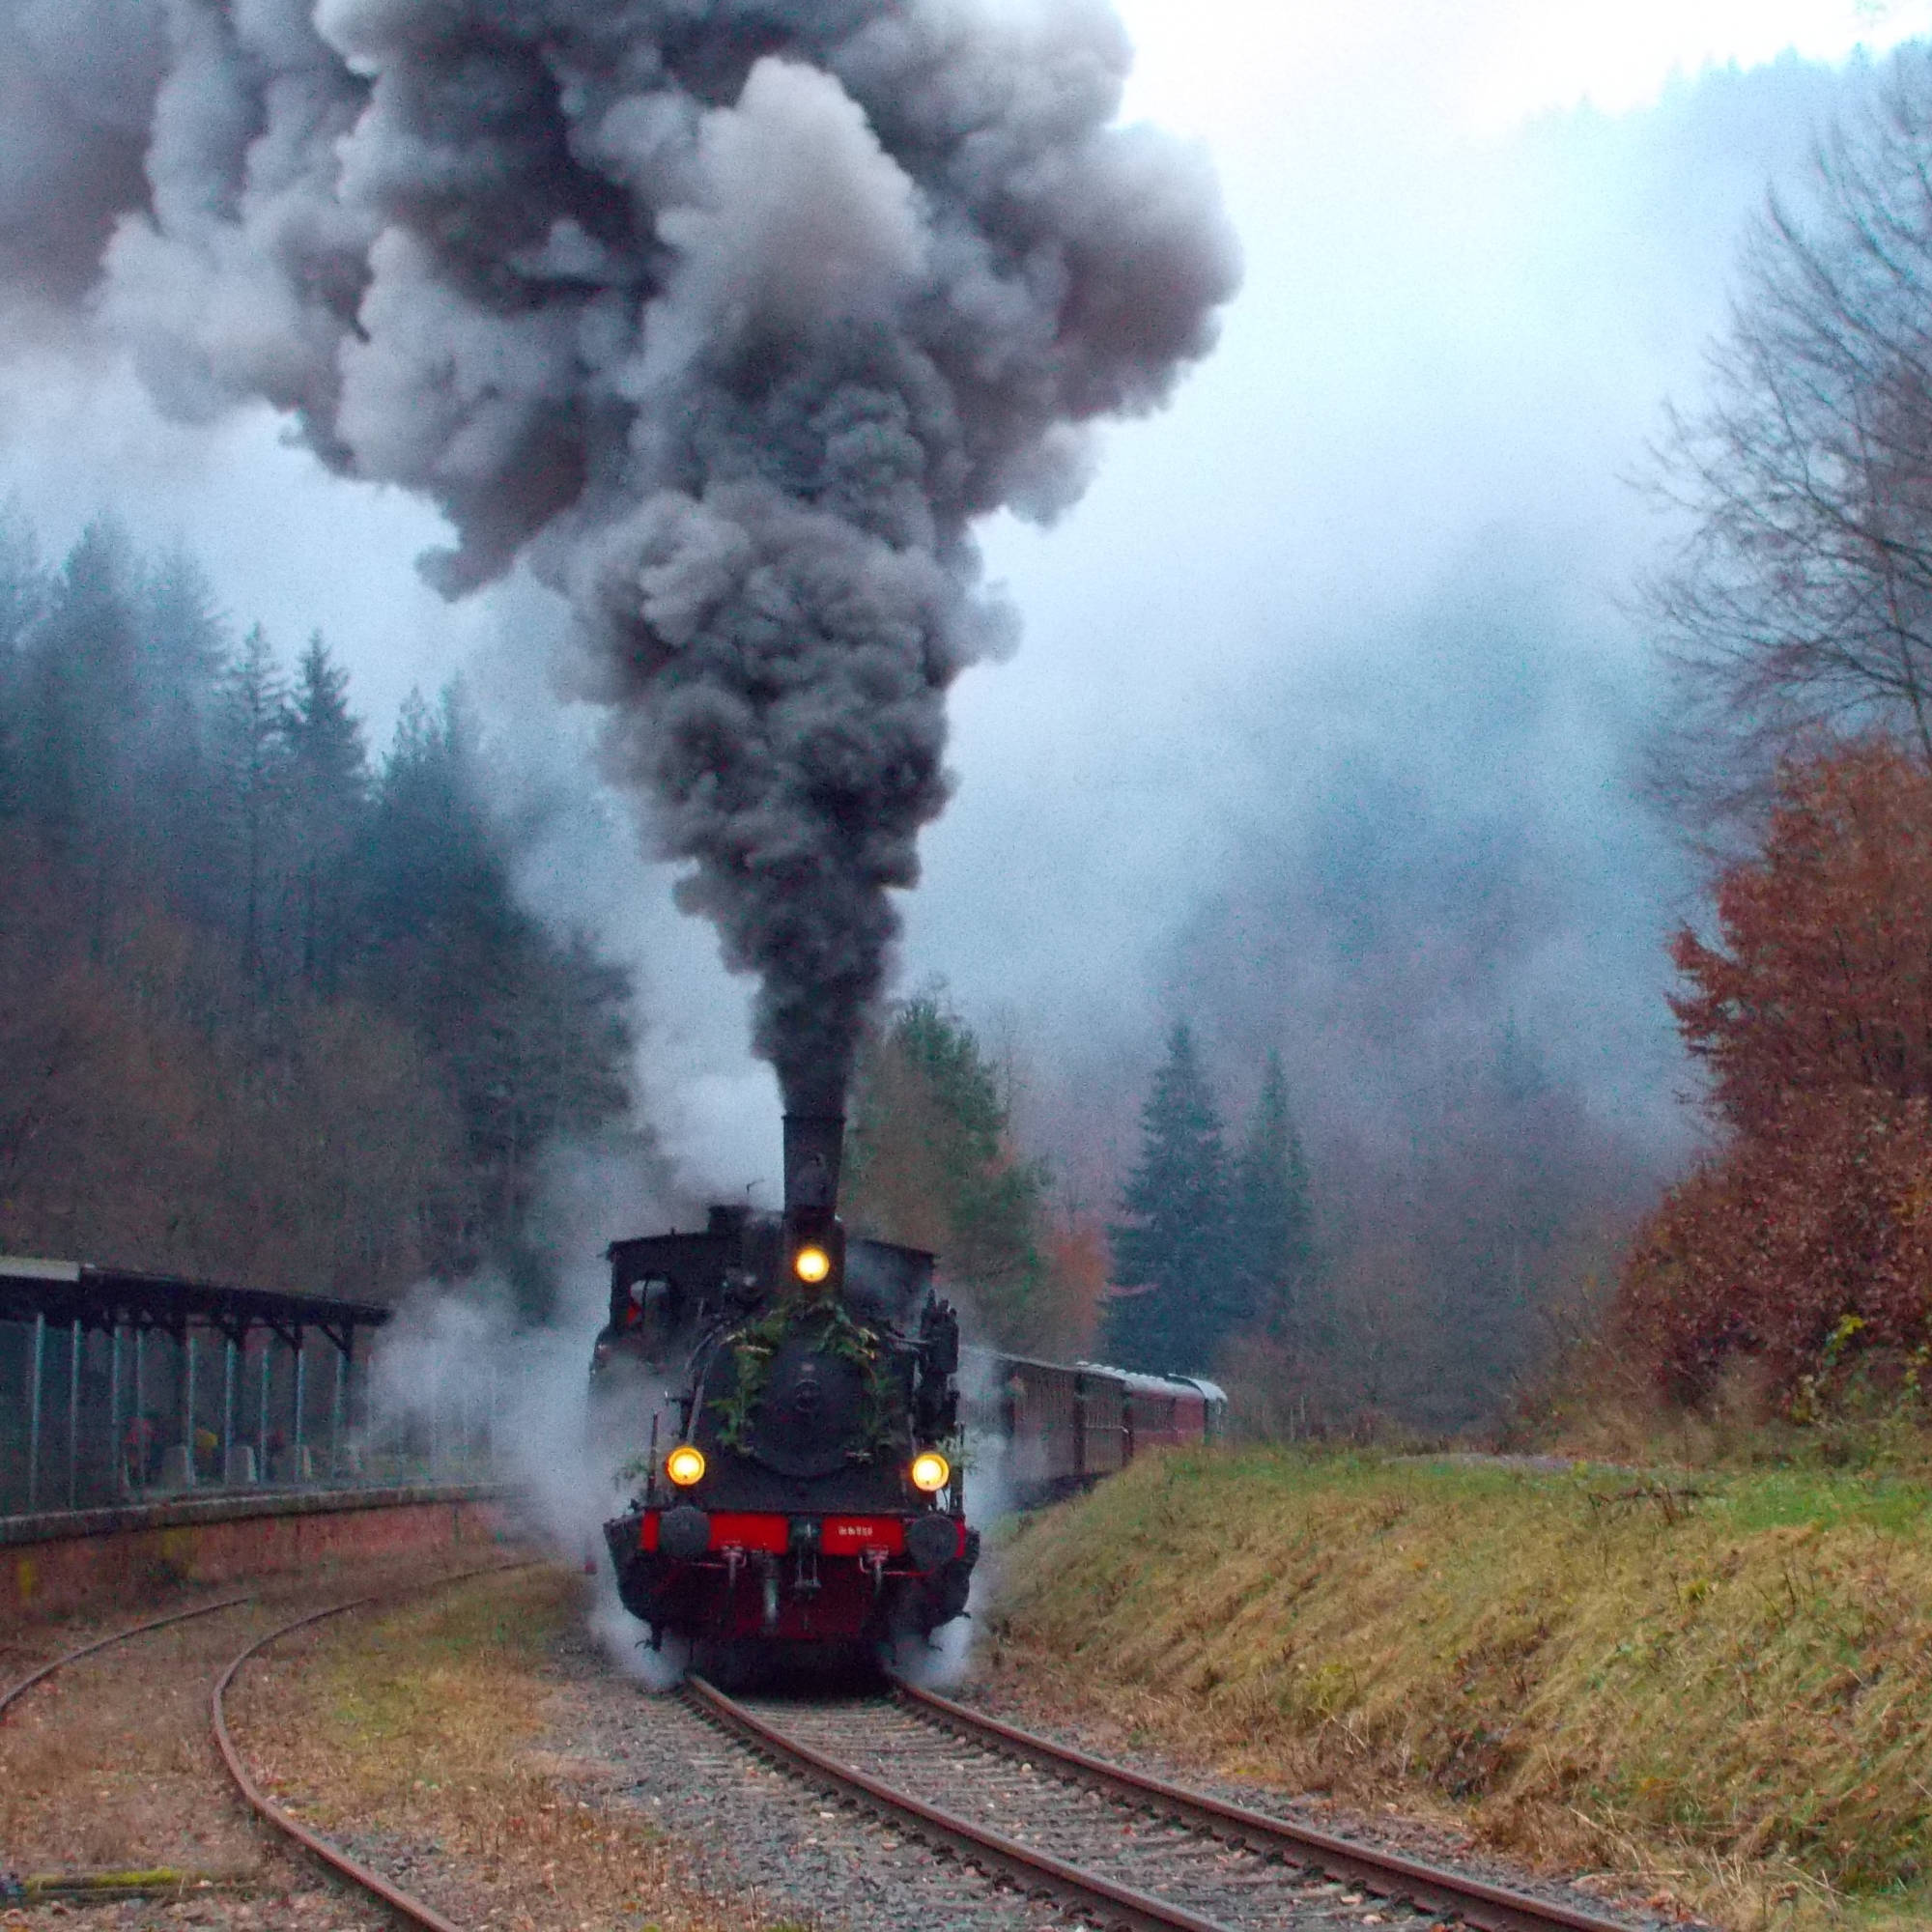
x=1139 y=1382
x=1133 y=1381
x=1000 y=1359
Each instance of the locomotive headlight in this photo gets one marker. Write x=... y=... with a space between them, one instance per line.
x=685 y=1465
x=930 y=1471
x=812 y=1265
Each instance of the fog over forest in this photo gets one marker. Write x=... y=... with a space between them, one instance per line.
x=1326 y=730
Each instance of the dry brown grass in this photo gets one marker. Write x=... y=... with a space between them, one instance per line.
x=109 y=1765
x=427 y=1723
x=1727 y=1695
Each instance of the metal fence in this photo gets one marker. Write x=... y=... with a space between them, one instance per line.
x=123 y=1388
x=137 y=1413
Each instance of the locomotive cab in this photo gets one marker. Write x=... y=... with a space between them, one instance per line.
x=801 y=1486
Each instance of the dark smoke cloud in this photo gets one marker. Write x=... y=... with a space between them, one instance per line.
x=730 y=315
x=77 y=86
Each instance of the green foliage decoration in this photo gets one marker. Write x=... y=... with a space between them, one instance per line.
x=823 y=1324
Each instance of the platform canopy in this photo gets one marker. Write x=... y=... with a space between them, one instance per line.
x=66 y=1292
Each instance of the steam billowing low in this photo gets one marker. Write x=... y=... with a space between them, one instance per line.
x=729 y=315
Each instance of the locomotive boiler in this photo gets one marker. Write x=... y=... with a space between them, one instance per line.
x=792 y=1395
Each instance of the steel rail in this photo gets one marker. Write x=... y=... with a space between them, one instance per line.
x=1392 y=1874
x=18 y=1691
x=413 y=1910
x=408 y=1907
x=1034 y=1871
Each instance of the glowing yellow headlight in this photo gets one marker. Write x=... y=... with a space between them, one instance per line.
x=685 y=1465
x=930 y=1471
x=812 y=1265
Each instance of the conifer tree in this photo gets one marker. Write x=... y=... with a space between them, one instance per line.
x=437 y=907
x=182 y=647
x=534 y=1035
x=251 y=755
x=23 y=586
x=254 y=1022
x=180 y=656
x=22 y=595
x=1175 y=1247
x=83 y=713
x=327 y=779
x=931 y=1165
x=1271 y=1218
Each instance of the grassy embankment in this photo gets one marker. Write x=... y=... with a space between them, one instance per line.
x=1728 y=1693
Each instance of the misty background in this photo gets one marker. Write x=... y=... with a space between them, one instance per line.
x=1327 y=725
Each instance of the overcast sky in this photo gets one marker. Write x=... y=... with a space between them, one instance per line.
x=1372 y=554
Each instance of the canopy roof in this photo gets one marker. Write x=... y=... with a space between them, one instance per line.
x=104 y=1297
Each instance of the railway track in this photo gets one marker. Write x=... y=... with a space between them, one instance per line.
x=408 y=1909
x=1115 y=1847
x=1111 y=1845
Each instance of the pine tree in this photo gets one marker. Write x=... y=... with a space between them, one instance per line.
x=327 y=794
x=23 y=594
x=83 y=714
x=1272 y=1217
x=182 y=647
x=1175 y=1248
x=533 y=1034
x=23 y=588
x=251 y=755
x=436 y=906
x=932 y=1165
x=181 y=655
x=253 y=1022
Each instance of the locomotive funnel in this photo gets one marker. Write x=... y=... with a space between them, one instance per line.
x=813 y=1146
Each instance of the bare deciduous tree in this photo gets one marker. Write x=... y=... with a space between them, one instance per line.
x=1799 y=608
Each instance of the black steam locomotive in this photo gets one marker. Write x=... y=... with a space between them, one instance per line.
x=795 y=1392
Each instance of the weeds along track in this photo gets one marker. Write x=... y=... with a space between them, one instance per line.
x=410 y=1910
x=12 y=1694
x=1113 y=1846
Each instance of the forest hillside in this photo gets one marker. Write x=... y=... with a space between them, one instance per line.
x=269 y=1011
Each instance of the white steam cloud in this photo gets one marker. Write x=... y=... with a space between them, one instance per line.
x=731 y=316
x=455 y=1378
x=457 y=1382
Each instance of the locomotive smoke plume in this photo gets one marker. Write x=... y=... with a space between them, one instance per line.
x=729 y=315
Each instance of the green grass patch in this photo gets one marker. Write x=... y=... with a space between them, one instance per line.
x=1720 y=1678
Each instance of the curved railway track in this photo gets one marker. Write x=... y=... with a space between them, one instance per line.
x=410 y=1910
x=1114 y=1845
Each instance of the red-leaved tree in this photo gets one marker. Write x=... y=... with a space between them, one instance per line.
x=1814 y=1017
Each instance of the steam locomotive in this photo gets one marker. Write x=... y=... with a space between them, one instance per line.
x=796 y=1391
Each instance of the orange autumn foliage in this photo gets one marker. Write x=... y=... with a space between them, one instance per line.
x=1814 y=1017
x=1076 y=1252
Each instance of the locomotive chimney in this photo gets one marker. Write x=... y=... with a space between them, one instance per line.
x=813 y=1146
